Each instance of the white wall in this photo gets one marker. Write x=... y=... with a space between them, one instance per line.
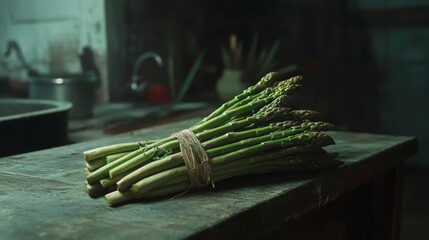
x=52 y=34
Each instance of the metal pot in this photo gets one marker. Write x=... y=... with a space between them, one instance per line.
x=79 y=89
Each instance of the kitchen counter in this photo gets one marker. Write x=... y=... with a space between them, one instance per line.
x=42 y=197
x=115 y=118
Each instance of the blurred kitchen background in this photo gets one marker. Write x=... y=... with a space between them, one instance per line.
x=136 y=63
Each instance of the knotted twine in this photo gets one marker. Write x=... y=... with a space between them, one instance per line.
x=195 y=158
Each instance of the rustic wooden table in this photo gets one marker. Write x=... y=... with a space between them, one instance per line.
x=42 y=196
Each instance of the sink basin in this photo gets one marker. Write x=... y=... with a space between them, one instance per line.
x=28 y=125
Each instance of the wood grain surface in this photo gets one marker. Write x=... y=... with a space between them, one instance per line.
x=42 y=194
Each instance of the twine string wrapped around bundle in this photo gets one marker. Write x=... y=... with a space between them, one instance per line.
x=196 y=159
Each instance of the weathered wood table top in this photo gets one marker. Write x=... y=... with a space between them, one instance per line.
x=42 y=194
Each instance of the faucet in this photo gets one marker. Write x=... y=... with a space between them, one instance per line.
x=13 y=45
x=137 y=84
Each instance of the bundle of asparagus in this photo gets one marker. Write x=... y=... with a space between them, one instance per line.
x=253 y=133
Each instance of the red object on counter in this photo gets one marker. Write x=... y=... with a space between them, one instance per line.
x=159 y=94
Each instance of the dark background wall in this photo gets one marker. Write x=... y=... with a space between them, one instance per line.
x=364 y=62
